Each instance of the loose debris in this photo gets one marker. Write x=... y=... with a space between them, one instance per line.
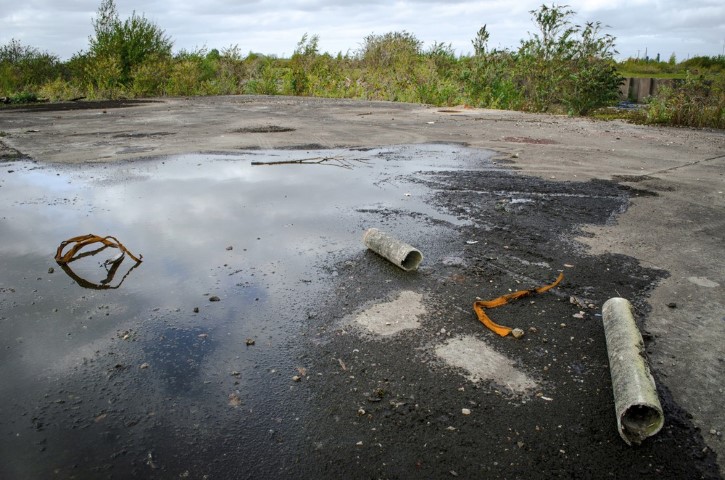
x=501 y=330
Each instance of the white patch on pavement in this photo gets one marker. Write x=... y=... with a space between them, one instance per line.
x=703 y=282
x=484 y=363
x=389 y=318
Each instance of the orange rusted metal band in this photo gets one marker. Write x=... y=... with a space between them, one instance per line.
x=84 y=240
x=479 y=306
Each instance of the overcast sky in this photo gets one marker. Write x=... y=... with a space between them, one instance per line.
x=62 y=27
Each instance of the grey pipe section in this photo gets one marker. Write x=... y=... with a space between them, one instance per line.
x=639 y=413
x=401 y=254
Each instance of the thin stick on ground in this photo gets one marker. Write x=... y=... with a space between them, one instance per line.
x=334 y=161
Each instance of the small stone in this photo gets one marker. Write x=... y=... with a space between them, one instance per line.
x=196 y=309
x=235 y=373
x=144 y=366
x=713 y=431
x=579 y=315
x=359 y=444
x=465 y=411
x=517 y=333
x=214 y=298
x=361 y=411
x=562 y=325
x=533 y=329
x=672 y=305
x=230 y=248
x=51 y=270
x=234 y=400
x=296 y=378
x=249 y=342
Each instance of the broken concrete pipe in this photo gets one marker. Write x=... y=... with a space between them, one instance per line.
x=638 y=409
x=399 y=253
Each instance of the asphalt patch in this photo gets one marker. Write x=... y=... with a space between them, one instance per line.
x=391 y=407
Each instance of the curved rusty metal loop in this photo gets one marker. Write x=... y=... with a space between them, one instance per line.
x=111 y=266
x=502 y=330
x=84 y=240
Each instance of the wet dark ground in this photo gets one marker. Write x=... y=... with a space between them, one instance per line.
x=132 y=382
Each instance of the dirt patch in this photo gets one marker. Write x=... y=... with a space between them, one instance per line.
x=83 y=105
x=143 y=134
x=264 y=129
x=529 y=140
x=8 y=153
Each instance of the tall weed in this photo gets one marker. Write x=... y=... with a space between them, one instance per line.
x=694 y=102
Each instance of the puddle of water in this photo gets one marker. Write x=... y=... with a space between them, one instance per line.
x=183 y=214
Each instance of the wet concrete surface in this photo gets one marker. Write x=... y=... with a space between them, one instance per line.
x=131 y=382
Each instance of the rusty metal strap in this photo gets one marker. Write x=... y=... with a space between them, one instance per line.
x=479 y=306
x=84 y=240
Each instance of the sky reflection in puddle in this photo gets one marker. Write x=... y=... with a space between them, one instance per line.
x=257 y=237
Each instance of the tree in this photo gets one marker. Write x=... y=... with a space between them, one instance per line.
x=568 y=64
x=129 y=42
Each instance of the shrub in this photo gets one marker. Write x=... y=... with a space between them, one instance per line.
x=60 y=90
x=301 y=64
x=694 y=102
x=24 y=68
x=150 y=77
x=394 y=50
x=104 y=76
x=265 y=78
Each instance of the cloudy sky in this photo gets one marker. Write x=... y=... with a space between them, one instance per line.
x=62 y=27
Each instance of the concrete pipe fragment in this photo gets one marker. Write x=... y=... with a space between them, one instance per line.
x=401 y=254
x=638 y=409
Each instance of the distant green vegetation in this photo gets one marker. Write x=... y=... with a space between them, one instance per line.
x=561 y=68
